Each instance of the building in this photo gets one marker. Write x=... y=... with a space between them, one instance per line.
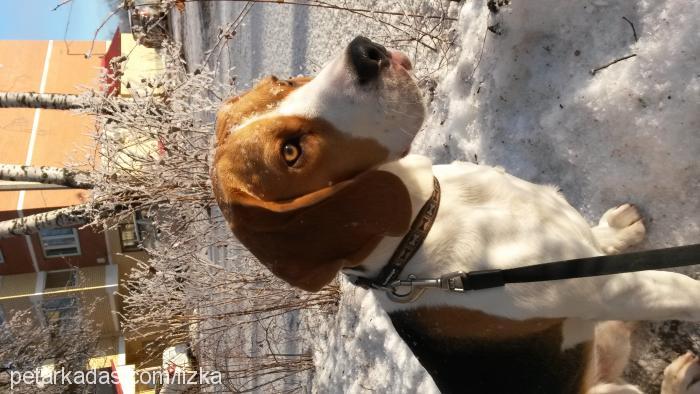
x=50 y=270
x=46 y=137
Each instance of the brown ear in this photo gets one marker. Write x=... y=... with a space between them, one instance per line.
x=308 y=240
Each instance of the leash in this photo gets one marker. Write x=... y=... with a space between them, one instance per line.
x=462 y=282
x=404 y=291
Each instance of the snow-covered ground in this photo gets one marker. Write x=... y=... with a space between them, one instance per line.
x=521 y=95
x=631 y=132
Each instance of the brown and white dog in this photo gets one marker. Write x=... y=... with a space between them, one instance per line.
x=313 y=177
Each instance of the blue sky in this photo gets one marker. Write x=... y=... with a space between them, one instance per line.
x=34 y=20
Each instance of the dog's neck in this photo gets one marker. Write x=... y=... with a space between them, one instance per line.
x=416 y=172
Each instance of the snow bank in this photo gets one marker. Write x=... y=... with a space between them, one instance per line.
x=526 y=100
x=357 y=350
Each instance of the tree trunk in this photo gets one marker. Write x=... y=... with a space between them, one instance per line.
x=44 y=174
x=41 y=100
x=74 y=216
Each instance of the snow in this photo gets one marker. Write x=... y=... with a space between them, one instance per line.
x=631 y=132
x=357 y=350
x=524 y=99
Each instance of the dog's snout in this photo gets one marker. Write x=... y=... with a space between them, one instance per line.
x=367 y=58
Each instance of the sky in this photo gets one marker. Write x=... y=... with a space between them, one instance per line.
x=35 y=20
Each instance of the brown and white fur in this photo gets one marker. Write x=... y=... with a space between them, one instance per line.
x=313 y=177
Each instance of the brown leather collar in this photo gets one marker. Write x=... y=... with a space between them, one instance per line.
x=409 y=245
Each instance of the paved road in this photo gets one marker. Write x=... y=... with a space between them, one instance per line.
x=279 y=39
x=254 y=51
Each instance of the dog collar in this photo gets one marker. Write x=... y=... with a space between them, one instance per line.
x=408 y=247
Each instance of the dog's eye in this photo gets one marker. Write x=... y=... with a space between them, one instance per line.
x=291 y=150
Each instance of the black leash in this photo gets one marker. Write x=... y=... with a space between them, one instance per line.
x=679 y=256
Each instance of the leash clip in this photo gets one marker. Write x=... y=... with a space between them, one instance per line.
x=416 y=287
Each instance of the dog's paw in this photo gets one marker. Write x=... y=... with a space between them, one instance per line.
x=619 y=228
x=682 y=376
x=621 y=217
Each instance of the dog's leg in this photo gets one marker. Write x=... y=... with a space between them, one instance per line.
x=645 y=295
x=682 y=376
x=619 y=228
x=612 y=349
x=614 y=388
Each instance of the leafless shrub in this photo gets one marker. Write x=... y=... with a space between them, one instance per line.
x=183 y=297
x=29 y=341
x=152 y=157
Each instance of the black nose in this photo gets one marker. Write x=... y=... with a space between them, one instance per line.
x=367 y=58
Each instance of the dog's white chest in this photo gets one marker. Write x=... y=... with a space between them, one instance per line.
x=489 y=219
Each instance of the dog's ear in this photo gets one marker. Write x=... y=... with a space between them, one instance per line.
x=306 y=241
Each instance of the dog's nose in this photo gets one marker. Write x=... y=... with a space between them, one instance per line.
x=367 y=58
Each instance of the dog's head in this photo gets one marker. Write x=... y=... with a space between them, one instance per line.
x=294 y=166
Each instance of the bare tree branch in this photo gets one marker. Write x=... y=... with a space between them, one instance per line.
x=41 y=100
x=102 y=24
x=61 y=4
x=52 y=175
x=66 y=217
x=322 y=4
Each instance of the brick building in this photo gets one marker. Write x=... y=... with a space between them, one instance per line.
x=50 y=270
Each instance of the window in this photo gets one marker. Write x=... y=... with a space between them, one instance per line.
x=59 y=242
x=133 y=234
x=59 y=311
x=60 y=279
x=2 y=257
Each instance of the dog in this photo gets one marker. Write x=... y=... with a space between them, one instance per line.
x=314 y=177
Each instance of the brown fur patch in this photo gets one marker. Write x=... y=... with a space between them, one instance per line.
x=452 y=322
x=486 y=355
x=308 y=245
x=613 y=348
x=265 y=95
